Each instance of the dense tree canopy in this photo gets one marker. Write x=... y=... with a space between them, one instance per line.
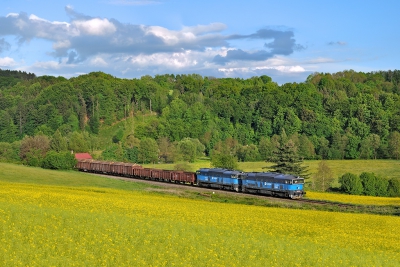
x=344 y=115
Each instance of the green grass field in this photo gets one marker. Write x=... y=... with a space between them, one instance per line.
x=31 y=175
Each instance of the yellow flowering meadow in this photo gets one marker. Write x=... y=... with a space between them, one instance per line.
x=363 y=200
x=61 y=226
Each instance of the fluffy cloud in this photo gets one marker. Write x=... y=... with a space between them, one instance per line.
x=95 y=26
x=88 y=36
x=7 y=62
x=92 y=43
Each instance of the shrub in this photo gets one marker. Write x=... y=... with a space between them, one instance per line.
x=351 y=183
x=9 y=152
x=381 y=187
x=59 y=161
x=394 y=187
x=369 y=182
x=118 y=136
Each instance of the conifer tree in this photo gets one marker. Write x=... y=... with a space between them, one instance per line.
x=287 y=160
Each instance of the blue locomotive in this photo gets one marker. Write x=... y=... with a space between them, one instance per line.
x=220 y=179
x=266 y=183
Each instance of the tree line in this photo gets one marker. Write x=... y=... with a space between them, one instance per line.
x=345 y=115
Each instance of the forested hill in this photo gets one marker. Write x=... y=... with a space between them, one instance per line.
x=332 y=116
x=12 y=77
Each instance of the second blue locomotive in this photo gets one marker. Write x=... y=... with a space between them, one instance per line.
x=266 y=183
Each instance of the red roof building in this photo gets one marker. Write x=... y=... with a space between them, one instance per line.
x=83 y=156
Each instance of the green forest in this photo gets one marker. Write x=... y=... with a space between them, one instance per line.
x=172 y=118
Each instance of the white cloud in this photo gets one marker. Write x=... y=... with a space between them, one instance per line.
x=47 y=65
x=7 y=62
x=12 y=15
x=98 y=61
x=169 y=37
x=34 y=17
x=87 y=44
x=229 y=71
x=84 y=37
x=287 y=69
x=95 y=26
x=167 y=60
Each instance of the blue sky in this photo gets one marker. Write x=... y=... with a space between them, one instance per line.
x=287 y=40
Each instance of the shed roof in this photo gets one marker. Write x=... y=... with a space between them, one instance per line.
x=83 y=156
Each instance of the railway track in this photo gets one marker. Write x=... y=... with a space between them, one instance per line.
x=322 y=202
x=226 y=192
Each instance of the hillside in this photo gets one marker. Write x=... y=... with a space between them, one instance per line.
x=172 y=118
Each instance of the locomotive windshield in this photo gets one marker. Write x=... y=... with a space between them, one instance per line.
x=298 y=181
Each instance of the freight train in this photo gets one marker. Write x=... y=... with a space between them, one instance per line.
x=265 y=183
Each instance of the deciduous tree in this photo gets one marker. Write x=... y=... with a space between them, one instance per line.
x=226 y=161
x=58 y=142
x=33 y=149
x=324 y=177
x=148 y=151
x=394 y=144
